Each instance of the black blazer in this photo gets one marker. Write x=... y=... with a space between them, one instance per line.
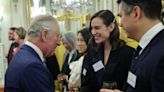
x=65 y=67
x=115 y=70
x=149 y=67
x=10 y=53
x=53 y=66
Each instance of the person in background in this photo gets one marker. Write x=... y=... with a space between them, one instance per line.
x=69 y=42
x=108 y=57
x=141 y=20
x=13 y=44
x=53 y=66
x=27 y=71
x=19 y=36
x=71 y=54
x=83 y=37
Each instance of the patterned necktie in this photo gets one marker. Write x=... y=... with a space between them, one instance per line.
x=44 y=62
x=137 y=52
x=135 y=59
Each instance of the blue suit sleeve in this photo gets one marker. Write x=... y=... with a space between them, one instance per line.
x=36 y=78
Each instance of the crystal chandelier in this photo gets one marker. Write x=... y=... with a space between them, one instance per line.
x=71 y=5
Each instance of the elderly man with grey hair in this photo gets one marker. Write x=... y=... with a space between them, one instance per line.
x=27 y=71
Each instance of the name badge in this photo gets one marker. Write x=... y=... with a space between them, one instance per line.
x=98 y=66
x=131 y=79
x=84 y=72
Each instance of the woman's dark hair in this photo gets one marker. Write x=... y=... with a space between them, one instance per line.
x=86 y=35
x=108 y=18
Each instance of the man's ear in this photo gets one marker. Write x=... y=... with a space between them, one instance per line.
x=43 y=35
x=136 y=13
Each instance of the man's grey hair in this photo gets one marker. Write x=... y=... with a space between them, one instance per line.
x=70 y=37
x=40 y=23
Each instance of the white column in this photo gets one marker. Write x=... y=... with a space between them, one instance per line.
x=4 y=44
x=110 y=5
x=48 y=8
x=3 y=64
x=101 y=4
x=14 y=15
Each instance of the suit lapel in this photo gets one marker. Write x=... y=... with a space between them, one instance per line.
x=112 y=63
x=31 y=50
x=109 y=67
x=98 y=58
x=138 y=62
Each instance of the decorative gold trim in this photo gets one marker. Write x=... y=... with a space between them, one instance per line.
x=97 y=5
x=28 y=12
x=163 y=3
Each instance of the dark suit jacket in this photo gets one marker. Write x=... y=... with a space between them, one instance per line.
x=53 y=66
x=10 y=53
x=115 y=70
x=26 y=73
x=149 y=67
x=65 y=67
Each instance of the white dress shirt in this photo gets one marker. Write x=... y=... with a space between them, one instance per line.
x=149 y=35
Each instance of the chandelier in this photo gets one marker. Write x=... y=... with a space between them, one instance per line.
x=71 y=5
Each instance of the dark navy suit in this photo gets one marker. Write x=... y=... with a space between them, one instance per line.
x=27 y=73
x=149 y=67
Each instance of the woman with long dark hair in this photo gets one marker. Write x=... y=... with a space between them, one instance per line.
x=83 y=37
x=108 y=57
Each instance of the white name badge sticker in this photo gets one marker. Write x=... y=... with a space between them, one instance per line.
x=98 y=66
x=84 y=72
x=132 y=79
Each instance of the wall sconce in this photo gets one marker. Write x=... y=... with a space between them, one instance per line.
x=1 y=13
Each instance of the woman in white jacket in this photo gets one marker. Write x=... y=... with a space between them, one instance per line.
x=83 y=37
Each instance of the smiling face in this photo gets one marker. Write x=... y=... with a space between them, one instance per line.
x=81 y=44
x=67 y=45
x=99 y=30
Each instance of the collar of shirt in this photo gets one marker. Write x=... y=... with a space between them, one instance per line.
x=150 y=34
x=71 y=55
x=37 y=50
